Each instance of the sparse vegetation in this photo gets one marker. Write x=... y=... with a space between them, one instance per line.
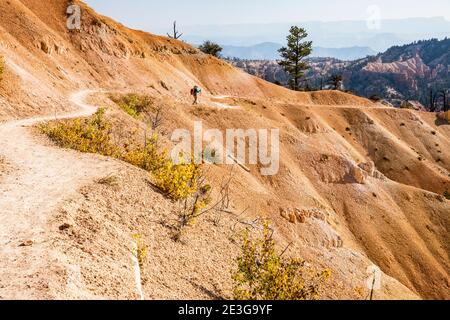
x=447 y=195
x=146 y=157
x=93 y=135
x=133 y=104
x=191 y=208
x=86 y=135
x=375 y=98
x=140 y=250
x=263 y=274
x=178 y=181
x=157 y=119
x=201 y=202
x=211 y=48
x=110 y=180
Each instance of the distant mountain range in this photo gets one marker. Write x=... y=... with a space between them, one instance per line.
x=340 y=34
x=269 y=51
x=417 y=71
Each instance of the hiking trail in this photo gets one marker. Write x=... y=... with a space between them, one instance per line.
x=42 y=177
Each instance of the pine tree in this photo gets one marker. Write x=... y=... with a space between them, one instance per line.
x=294 y=54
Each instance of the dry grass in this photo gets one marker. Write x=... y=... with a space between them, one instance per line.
x=110 y=180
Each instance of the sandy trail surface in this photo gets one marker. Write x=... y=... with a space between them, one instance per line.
x=221 y=104
x=42 y=177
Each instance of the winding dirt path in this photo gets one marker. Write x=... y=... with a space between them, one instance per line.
x=223 y=105
x=42 y=177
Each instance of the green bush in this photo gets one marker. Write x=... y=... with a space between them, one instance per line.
x=211 y=48
x=263 y=274
x=375 y=98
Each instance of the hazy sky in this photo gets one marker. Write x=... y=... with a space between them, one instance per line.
x=152 y=15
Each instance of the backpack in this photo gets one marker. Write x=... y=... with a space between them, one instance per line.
x=195 y=91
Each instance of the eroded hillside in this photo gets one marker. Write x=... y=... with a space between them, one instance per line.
x=359 y=184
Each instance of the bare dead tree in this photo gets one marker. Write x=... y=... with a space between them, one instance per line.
x=225 y=191
x=433 y=99
x=224 y=202
x=176 y=35
x=157 y=119
x=443 y=95
x=188 y=208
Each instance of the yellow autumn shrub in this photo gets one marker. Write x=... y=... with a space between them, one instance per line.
x=93 y=135
x=133 y=104
x=263 y=274
x=178 y=181
x=140 y=250
x=147 y=157
x=90 y=135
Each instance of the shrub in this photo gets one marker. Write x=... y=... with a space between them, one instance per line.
x=375 y=98
x=263 y=274
x=192 y=208
x=178 y=181
x=93 y=135
x=86 y=135
x=133 y=104
x=183 y=182
x=211 y=48
x=148 y=157
x=447 y=195
x=140 y=250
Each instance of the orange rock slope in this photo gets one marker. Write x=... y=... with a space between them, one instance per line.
x=359 y=184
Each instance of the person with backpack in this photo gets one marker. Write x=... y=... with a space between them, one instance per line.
x=195 y=92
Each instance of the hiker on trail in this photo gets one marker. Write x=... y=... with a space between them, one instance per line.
x=195 y=92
